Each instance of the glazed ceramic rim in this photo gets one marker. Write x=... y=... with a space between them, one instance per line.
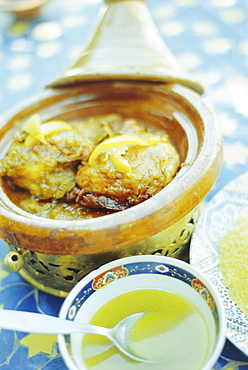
x=147 y=208
x=220 y=341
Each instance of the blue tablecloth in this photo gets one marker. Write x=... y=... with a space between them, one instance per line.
x=209 y=37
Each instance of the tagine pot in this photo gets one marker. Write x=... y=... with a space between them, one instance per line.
x=136 y=77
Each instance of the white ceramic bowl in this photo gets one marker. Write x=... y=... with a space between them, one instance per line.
x=141 y=272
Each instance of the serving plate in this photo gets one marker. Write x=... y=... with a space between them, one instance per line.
x=217 y=219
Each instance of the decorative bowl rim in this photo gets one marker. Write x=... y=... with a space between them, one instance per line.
x=160 y=260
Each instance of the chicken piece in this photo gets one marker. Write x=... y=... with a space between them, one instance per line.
x=100 y=128
x=46 y=170
x=131 y=171
x=104 y=162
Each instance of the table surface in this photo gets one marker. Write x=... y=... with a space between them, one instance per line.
x=210 y=39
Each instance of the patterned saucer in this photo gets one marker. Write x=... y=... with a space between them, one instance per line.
x=218 y=217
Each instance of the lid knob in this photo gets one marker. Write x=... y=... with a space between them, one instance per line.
x=126 y=45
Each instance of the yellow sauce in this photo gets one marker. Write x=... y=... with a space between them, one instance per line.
x=173 y=333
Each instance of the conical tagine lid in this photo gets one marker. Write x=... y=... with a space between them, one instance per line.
x=125 y=46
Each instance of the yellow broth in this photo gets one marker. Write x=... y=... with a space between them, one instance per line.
x=173 y=333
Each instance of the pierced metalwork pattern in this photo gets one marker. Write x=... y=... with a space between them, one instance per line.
x=57 y=274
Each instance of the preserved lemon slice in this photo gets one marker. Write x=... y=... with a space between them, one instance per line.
x=30 y=140
x=32 y=127
x=120 y=164
x=38 y=131
x=48 y=128
x=115 y=142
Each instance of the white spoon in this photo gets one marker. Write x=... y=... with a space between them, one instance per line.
x=30 y=322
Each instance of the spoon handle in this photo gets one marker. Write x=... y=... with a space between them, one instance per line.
x=30 y=322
